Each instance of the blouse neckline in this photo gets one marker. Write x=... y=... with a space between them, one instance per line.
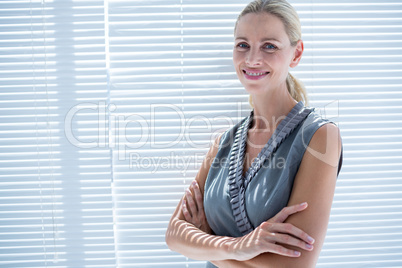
x=237 y=182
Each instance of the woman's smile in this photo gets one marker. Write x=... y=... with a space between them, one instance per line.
x=254 y=74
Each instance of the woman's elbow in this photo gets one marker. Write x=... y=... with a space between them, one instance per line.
x=168 y=238
x=171 y=235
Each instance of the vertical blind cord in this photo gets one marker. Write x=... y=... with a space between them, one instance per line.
x=182 y=90
x=109 y=108
x=36 y=136
x=50 y=141
x=49 y=137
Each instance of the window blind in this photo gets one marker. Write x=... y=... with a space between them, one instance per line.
x=353 y=57
x=55 y=201
x=108 y=107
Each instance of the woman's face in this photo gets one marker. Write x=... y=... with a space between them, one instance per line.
x=263 y=54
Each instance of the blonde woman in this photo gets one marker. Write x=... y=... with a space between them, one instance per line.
x=263 y=195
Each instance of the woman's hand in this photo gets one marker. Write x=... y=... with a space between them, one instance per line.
x=266 y=237
x=193 y=208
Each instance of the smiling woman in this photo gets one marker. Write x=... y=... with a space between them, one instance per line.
x=260 y=54
x=239 y=211
x=280 y=31
x=159 y=75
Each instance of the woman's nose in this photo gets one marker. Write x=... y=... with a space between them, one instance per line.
x=254 y=57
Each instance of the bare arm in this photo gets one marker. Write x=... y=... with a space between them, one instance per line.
x=185 y=238
x=315 y=184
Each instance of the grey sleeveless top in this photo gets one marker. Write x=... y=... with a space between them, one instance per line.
x=235 y=204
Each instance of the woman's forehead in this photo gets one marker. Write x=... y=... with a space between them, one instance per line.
x=261 y=26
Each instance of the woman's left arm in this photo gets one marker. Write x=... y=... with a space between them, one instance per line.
x=315 y=184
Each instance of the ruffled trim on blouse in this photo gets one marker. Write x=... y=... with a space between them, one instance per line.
x=237 y=182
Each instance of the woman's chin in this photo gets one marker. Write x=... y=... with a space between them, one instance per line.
x=256 y=90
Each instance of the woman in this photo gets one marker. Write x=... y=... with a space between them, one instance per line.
x=263 y=195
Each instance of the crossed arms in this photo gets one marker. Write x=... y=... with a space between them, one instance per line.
x=284 y=240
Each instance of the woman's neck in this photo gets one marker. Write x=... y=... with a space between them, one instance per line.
x=270 y=111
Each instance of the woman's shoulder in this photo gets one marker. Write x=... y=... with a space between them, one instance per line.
x=321 y=137
x=314 y=121
x=315 y=125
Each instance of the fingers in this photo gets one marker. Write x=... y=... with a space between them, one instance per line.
x=198 y=196
x=190 y=203
x=290 y=240
x=287 y=211
x=287 y=228
x=186 y=213
x=296 y=232
x=194 y=198
x=277 y=249
x=260 y=241
x=289 y=234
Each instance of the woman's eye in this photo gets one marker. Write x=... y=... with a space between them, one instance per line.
x=270 y=46
x=242 y=45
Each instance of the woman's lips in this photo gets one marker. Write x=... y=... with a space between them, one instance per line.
x=255 y=74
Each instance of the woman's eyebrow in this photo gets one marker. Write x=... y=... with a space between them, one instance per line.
x=262 y=40
x=270 y=39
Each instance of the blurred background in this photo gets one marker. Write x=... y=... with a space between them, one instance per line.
x=108 y=107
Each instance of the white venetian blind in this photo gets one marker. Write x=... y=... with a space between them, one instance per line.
x=353 y=57
x=55 y=197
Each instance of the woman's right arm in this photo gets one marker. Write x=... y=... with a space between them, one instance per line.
x=200 y=244
x=187 y=239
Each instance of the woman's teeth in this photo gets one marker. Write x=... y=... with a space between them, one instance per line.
x=255 y=74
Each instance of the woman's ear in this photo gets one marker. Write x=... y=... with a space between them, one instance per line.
x=297 y=54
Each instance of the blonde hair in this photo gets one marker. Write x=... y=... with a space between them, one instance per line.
x=288 y=15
